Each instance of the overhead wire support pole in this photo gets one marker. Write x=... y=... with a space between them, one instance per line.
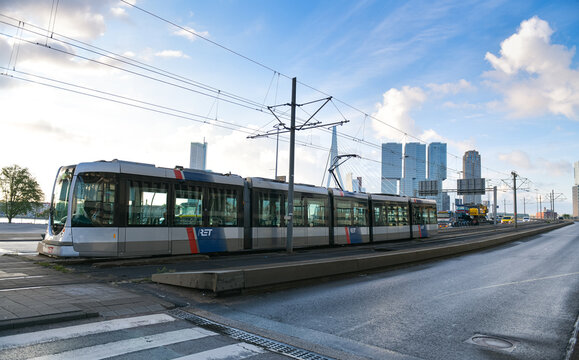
x=290 y=196
x=292 y=130
x=515 y=195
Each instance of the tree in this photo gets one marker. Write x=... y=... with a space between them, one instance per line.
x=20 y=191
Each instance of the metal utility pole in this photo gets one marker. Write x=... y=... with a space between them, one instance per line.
x=495 y=205
x=552 y=197
x=553 y=204
x=515 y=195
x=292 y=130
x=290 y=195
x=277 y=126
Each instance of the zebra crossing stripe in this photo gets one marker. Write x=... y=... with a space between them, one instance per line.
x=122 y=347
x=69 y=332
x=235 y=351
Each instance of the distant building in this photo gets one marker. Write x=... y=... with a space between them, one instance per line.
x=354 y=184
x=414 y=168
x=198 y=157
x=391 y=167
x=547 y=214
x=471 y=169
x=437 y=172
x=575 y=192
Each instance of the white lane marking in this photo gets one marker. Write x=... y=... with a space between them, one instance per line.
x=43 y=336
x=509 y=283
x=235 y=351
x=21 y=277
x=4 y=274
x=122 y=347
x=24 y=288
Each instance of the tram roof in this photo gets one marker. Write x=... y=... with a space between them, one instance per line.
x=135 y=168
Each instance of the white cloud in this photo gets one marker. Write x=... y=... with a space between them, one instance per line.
x=394 y=112
x=119 y=12
x=172 y=54
x=534 y=75
x=521 y=160
x=190 y=33
x=451 y=88
x=80 y=19
x=518 y=159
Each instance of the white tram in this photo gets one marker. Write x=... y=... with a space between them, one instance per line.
x=125 y=209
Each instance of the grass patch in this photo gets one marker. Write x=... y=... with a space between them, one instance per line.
x=56 y=267
x=164 y=270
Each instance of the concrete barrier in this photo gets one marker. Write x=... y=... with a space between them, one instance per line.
x=250 y=277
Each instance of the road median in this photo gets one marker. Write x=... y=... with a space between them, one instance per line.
x=252 y=277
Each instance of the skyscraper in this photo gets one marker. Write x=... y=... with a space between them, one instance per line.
x=437 y=172
x=198 y=156
x=436 y=161
x=414 y=168
x=391 y=167
x=471 y=169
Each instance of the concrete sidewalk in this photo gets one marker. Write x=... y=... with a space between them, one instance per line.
x=32 y=294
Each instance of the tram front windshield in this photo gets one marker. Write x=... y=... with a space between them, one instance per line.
x=59 y=204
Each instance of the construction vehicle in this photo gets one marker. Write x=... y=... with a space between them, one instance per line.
x=471 y=214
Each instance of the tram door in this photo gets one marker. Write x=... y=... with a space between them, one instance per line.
x=147 y=232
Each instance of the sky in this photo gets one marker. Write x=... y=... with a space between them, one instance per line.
x=140 y=80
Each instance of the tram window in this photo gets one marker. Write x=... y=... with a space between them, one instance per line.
x=392 y=215
x=416 y=215
x=94 y=200
x=147 y=203
x=317 y=212
x=188 y=205
x=267 y=209
x=425 y=215
x=380 y=214
x=432 y=216
x=360 y=210
x=344 y=213
x=299 y=211
x=403 y=215
x=59 y=205
x=223 y=209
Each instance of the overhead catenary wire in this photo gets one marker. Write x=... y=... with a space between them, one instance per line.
x=80 y=90
x=287 y=76
x=254 y=105
x=140 y=65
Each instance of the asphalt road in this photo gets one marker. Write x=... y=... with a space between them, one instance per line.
x=518 y=301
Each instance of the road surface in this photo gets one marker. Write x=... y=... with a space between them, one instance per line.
x=517 y=301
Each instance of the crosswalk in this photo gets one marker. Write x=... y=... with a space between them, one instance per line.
x=155 y=336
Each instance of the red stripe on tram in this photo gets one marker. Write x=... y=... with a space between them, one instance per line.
x=348 y=235
x=192 y=241
x=178 y=174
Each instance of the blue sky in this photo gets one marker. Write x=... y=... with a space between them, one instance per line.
x=499 y=77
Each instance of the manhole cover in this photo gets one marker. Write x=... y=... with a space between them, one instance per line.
x=493 y=342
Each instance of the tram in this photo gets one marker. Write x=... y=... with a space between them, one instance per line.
x=127 y=209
